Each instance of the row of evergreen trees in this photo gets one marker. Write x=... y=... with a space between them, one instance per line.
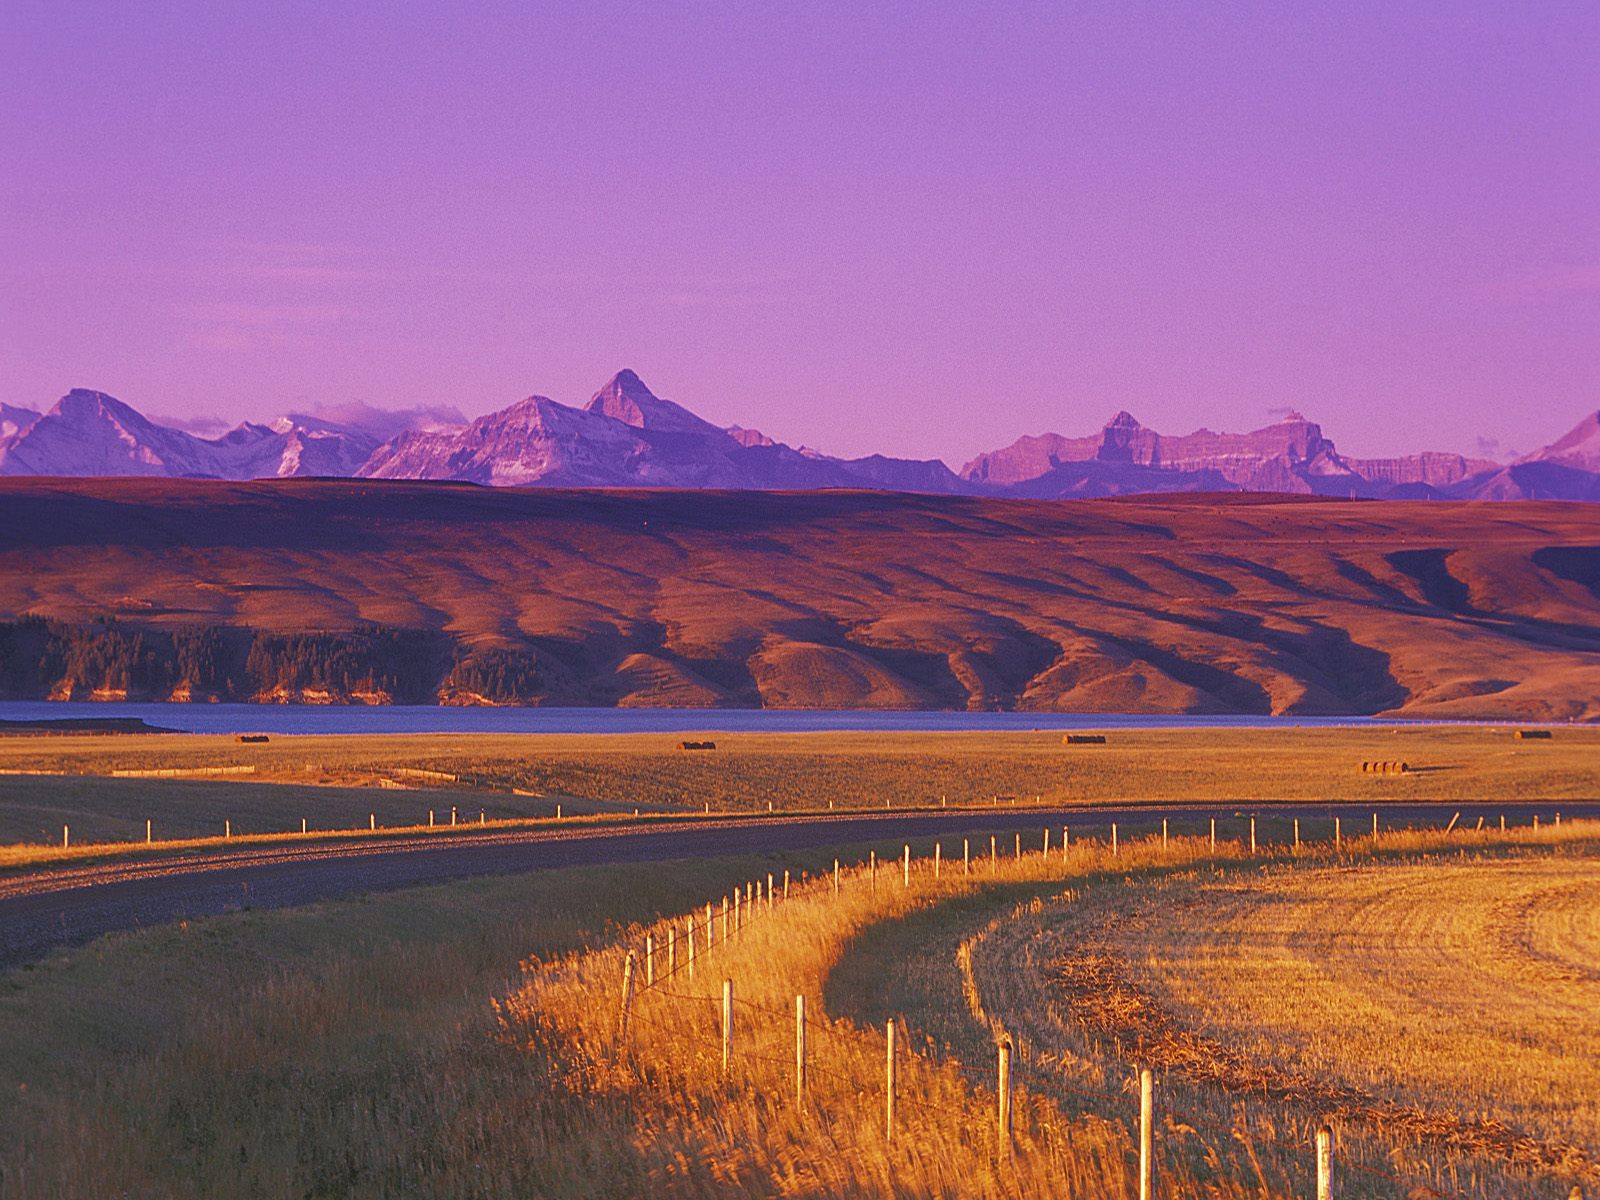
x=40 y=657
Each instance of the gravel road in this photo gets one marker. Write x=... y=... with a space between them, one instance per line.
x=45 y=909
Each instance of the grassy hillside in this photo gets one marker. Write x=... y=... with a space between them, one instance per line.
x=837 y=599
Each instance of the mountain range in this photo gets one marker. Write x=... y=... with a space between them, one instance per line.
x=626 y=436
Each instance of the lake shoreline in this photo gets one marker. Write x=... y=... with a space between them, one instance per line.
x=285 y=720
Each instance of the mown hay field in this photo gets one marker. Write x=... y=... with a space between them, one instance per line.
x=1470 y=984
x=953 y=963
x=378 y=1047
x=1438 y=1009
x=335 y=781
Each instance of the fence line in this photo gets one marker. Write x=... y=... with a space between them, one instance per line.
x=763 y=902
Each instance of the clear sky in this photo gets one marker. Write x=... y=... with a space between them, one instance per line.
x=924 y=229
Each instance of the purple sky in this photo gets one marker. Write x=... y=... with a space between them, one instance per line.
x=923 y=229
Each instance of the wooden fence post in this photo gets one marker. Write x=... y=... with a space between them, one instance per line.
x=302 y=824
x=727 y=1026
x=966 y=857
x=836 y=877
x=888 y=1083
x=936 y=850
x=1502 y=822
x=711 y=928
x=147 y=829
x=1213 y=835
x=227 y=829
x=627 y=1003
x=800 y=1049
x=1146 y=1146
x=66 y=837
x=1338 y=834
x=1046 y=850
x=1113 y=838
x=1019 y=847
x=1252 y=835
x=873 y=858
x=1453 y=821
x=1374 y=824
x=994 y=856
x=769 y=891
x=727 y=920
x=1003 y=1087
x=672 y=950
x=372 y=821
x=1324 y=1163
x=688 y=939
x=906 y=863
x=1297 y=833
x=1065 y=836
x=649 y=960
x=786 y=884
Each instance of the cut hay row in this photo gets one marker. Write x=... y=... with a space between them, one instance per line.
x=702 y=1054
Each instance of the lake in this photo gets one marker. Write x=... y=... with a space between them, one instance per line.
x=287 y=719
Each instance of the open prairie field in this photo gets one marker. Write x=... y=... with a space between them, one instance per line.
x=389 y=1046
x=1472 y=986
x=334 y=781
x=1439 y=1011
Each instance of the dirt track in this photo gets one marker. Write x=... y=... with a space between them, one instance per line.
x=42 y=910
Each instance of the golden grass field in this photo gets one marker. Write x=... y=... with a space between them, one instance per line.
x=1440 y=1012
x=961 y=961
x=386 y=1045
x=340 y=1049
x=1473 y=985
x=333 y=781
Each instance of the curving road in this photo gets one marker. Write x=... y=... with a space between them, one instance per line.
x=45 y=909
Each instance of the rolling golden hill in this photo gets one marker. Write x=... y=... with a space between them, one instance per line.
x=1173 y=604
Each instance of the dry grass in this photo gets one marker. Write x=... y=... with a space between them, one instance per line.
x=1472 y=984
x=357 y=1050
x=748 y=771
x=701 y=1133
x=340 y=1049
x=900 y=954
x=1394 y=1049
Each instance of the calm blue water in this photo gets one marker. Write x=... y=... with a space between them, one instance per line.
x=274 y=718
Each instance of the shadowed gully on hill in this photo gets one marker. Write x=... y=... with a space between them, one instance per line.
x=428 y=592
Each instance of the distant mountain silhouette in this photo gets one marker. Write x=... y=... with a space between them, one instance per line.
x=626 y=436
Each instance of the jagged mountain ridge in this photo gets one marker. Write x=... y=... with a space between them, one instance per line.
x=1291 y=456
x=626 y=436
x=89 y=433
x=14 y=420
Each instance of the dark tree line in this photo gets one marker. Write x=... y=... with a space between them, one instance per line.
x=40 y=657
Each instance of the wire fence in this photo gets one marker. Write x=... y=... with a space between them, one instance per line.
x=749 y=1033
